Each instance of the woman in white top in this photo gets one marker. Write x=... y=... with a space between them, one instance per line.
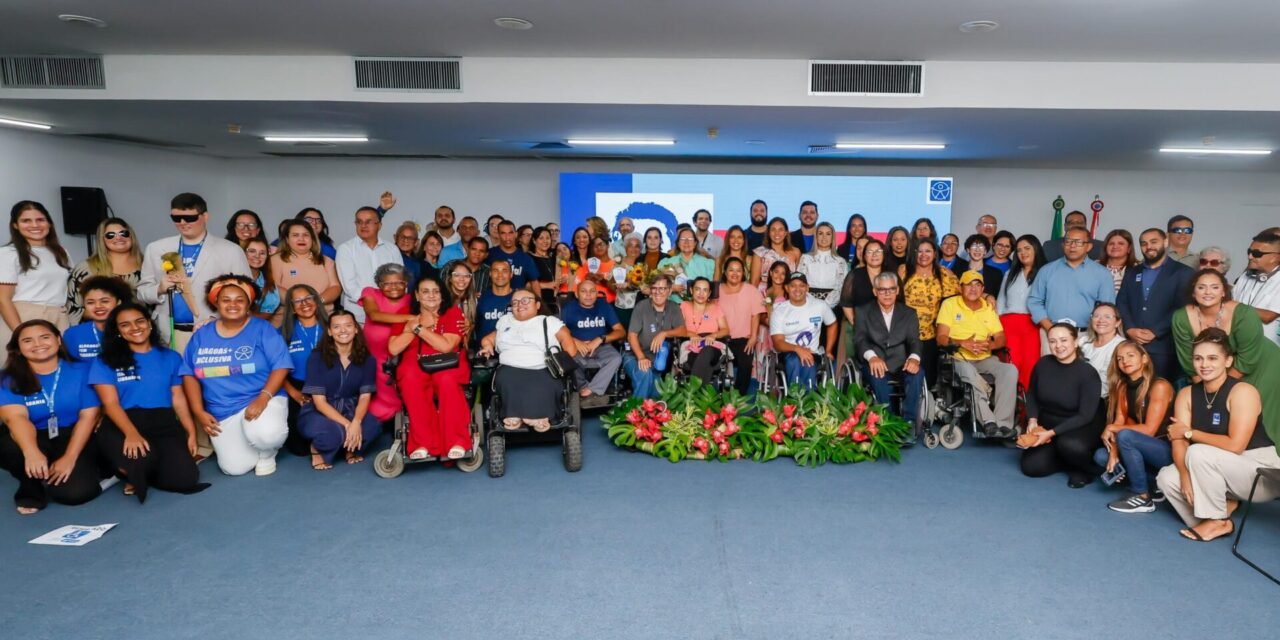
x=823 y=267
x=529 y=393
x=34 y=270
x=1105 y=334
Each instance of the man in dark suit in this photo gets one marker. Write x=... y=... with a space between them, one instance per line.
x=887 y=339
x=1149 y=295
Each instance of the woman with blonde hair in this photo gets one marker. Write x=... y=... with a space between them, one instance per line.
x=597 y=227
x=116 y=253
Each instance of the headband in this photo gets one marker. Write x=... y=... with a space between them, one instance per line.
x=228 y=282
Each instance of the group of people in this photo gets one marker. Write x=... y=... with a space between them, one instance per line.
x=1121 y=348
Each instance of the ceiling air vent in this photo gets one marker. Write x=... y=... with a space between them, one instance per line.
x=865 y=78
x=409 y=74
x=52 y=72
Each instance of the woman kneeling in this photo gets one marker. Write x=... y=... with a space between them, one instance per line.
x=1064 y=416
x=149 y=435
x=233 y=373
x=435 y=330
x=530 y=394
x=1218 y=444
x=341 y=382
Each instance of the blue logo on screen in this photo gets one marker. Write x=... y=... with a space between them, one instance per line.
x=939 y=190
x=647 y=214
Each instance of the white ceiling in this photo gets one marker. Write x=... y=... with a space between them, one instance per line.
x=992 y=137
x=1063 y=30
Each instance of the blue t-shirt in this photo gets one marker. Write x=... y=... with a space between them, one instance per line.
x=83 y=341
x=301 y=345
x=182 y=314
x=489 y=308
x=69 y=388
x=1002 y=266
x=523 y=268
x=148 y=384
x=1147 y=278
x=588 y=324
x=233 y=371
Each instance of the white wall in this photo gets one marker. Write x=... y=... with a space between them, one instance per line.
x=1228 y=207
x=139 y=182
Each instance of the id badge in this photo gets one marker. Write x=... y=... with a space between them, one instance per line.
x=52 y=427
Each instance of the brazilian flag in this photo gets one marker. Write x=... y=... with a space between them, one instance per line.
x=1058 y=205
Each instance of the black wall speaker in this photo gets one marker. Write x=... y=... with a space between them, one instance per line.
x=82 y=209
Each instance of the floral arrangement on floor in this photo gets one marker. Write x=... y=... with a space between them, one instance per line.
x=693 y=420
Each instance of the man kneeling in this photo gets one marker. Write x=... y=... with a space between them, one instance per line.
x=593 y=325
x=887 y=335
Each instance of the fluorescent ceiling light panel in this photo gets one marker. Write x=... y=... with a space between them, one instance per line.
x=909 y=147
x=651 y=143
x=25 y=124
x=1216 y=151
x=315 y=138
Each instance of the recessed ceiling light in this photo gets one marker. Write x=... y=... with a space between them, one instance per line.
x=315 y=138
x=82 y=20
x=979 y=26
x=24 y=124
x=1216 y=151
x=518 y=24
x=578 y=141
x=909 y=147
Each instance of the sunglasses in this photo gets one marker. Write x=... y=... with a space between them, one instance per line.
x=1182 y=231
x=1254 y=253
x=183 y=218
x=112 y=235
x=1211 y=263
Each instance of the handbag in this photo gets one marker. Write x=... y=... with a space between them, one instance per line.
x=432 y=363
x=559 y=363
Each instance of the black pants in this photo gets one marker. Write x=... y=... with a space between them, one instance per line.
x=741 y=363
x=168 y=466
x=929 y=361
x=294 y=443
x=703 y=363
x=1071 y=452
x=81 y=487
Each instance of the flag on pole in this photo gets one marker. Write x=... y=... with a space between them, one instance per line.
x=1096 y=205
x=1058 y=205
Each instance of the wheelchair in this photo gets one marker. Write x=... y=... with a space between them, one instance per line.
x=775 y=381
x=391 y=462
x=955 y=405
x=923 y=427
x=568 y=424
x=619 y=387
x=720 y=380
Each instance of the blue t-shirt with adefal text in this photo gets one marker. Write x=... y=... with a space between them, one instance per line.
x=70 y=391
x=301 y=344
x=523 y=268
x=148 y=384
x=489 y=308
x=233 y=371
x=588 y=324
x=83 y=341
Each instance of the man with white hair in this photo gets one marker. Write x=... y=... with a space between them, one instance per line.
x=617 y=248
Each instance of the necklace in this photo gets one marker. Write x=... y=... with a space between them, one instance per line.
x=1208 y=402
x=1216 y=321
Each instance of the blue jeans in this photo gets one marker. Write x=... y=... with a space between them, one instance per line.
x=798 y=374
x=643 y=383
x=1138 y=452
x=881 y=388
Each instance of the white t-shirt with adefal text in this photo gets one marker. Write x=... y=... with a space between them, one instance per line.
x=801 y=325
x=1254 y=292
x=45 y=283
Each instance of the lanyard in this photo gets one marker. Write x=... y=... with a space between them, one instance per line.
x=309 y=341
x=194 y=256
x=49 y=398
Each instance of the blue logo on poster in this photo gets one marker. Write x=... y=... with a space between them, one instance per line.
x=939 y=190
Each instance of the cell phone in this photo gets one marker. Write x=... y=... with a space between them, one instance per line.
x=1114 y=476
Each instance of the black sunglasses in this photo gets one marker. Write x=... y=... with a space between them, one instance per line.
x=1254 y=253
x=183 y=218
x=112 y=235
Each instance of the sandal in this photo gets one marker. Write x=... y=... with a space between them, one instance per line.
x=26 y=511
x=1192 y=534
x=129 y=489
x=541 y=425
x=320 y=465
x=354 y=458
x=511 y=423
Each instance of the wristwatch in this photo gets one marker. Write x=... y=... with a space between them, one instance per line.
x=1187 y=434
x=417 y=330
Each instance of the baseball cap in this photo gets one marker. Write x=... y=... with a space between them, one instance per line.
x=796 y=275
x=970 y=276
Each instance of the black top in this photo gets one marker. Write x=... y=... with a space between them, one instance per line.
x=856 y=290
x=1139 y=416
x=754 y=239
x=546 y=273
x=1063 y=397
x=1214 y=417
x=892 y=262
x=992 y=277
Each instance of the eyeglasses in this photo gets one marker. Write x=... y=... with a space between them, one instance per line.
x=246 y=225
x=522 y=302
x=112 y=235
x=873 y=252
x=886 y=289
x=987 y=225
x=1254 y=253
x=1182 y=231
x=1074 y=242
x=464 y=276
x=303 y=300
x=1003 y=245
x=312 y=219
x=1211 y=263
x=182 y=218
x=659 y=289
x=977 y=247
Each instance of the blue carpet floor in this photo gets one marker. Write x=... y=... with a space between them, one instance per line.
x=948 y=544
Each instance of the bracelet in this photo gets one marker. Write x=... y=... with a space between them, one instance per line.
x=269 y=394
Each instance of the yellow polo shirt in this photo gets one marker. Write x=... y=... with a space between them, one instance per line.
x=965 y=323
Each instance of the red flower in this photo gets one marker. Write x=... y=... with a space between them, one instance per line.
x=633 y=417
x=664 y=415
x=730 y=429
x=649 y=405
x=724 y=448
x=728 y=411
x=641 y=433
x=768 y=416
x=859 y=436
x=843 y=430
x=788 y=410
x=873 y=430
x=799 y=431
x=776 y=436
x=873 y=419
x=717 y=435
x=709 y=420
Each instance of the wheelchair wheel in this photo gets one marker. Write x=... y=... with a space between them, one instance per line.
x=951 y=436
x=467 y=465
x=571 y=450
x=497 y=455
x=574 y=411
x=388 y=463
x=930 y=439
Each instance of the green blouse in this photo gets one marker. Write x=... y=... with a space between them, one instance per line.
x=697 y=266
x=1256 y=357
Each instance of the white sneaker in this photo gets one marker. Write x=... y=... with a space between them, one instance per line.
x=265 y=466
x=419 y=454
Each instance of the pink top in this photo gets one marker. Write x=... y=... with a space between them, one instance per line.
x=739 y=308
x=706 y=322
x=378 y=334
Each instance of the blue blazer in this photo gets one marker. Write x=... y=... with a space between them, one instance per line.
x=1156 y=312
